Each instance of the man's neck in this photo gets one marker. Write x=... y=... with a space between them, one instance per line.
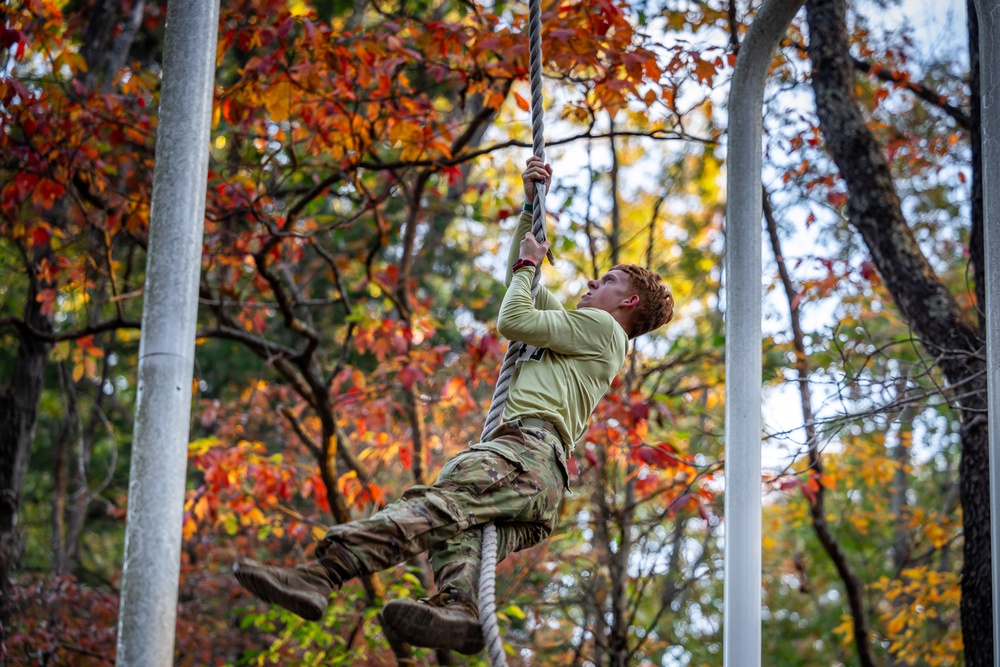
x=621 y=317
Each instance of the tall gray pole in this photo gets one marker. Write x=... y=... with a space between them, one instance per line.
x=988 y=12
x=741 y=622
x=147 y=614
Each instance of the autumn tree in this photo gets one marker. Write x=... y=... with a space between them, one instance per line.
x=947 y=329
x=66 y=202
x=363 y=176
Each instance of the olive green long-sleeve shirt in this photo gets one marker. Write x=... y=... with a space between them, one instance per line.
x=571 y=355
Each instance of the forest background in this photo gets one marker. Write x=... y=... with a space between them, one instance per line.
x=363 y=181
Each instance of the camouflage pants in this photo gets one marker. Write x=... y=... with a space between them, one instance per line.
x=515 y=479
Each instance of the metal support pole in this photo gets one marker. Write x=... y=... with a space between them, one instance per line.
x=742 y=588
x=988 y=12
x=147 y=614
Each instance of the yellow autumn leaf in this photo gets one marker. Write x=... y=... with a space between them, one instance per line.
x=61 y=351
x=201 y=507
x=845 y=629
x=202 y=445
x=74 y=61
x=515 y=611
x=278 y=100
x=936 y=534
x=190 y=528
x=897 y=624
x=252 y=518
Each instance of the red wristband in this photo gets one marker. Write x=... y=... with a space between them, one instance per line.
x=521 y=263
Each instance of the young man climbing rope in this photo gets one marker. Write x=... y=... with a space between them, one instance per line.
x=514 y=478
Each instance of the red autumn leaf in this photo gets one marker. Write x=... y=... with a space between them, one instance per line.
x=452 y=388
x=29 y=126
x=490 y=345
x=371 y=493
x=9 y=36
x=47 y=297
x=15 y=87
x=678 y=503
x=409 y=375
x=639 y=410
x=233 y=111
x=86 y=344
x=867 y=270
x=793 y=482
x=654 y=457
x=646 y=484
x=836 y=199
x=808 y=492
x=454 y=174
x=381 y=347
x=40 y=237
x=24 y=184
x=647 y=455
x=389 y=277
x=704 y=70
x=46 y=193
x=572 y=466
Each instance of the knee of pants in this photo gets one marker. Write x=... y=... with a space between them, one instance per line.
x=518 y=535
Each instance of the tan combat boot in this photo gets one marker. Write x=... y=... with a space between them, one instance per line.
x=448 y=620
x=304 y=589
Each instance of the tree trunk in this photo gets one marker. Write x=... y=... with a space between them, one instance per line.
x=122 y=44
x=60 y=561
x=69 y=507
x=616 y=215
x=618 y=650
x=97 y=40
x=977 y=251
x=81 y=494
x=853 y=585
x=898 y=503
x=18 y=415
x=603 y=557
x=441 y=214
x=933 y=313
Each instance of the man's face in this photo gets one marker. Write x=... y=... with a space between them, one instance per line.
x=607 y=293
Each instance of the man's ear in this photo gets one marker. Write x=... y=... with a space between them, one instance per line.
x=631 y=301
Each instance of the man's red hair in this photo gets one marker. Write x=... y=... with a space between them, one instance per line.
x=656 y=304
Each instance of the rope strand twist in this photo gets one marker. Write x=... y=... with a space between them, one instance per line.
x=488 y=563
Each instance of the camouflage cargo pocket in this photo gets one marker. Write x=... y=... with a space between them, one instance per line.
x=481 y=468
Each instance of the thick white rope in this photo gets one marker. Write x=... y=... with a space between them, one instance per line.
x=488 y=562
